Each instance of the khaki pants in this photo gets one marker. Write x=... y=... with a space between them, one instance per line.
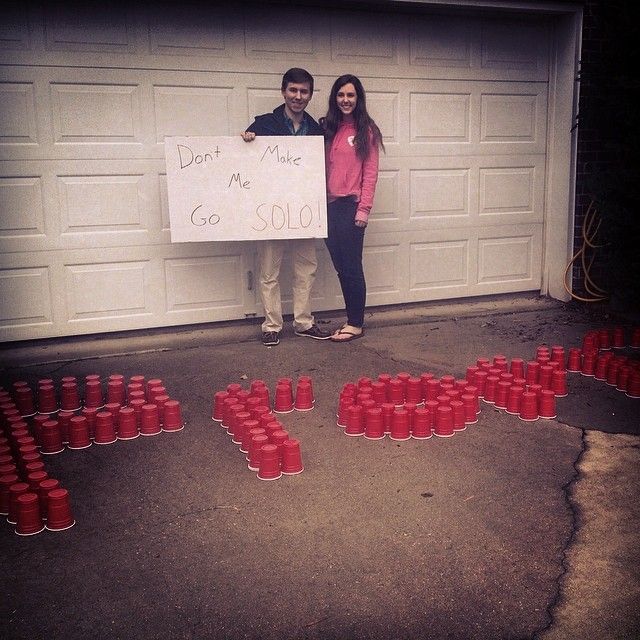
x=305 y=264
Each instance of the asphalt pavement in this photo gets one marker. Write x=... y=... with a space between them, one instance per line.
x=509 y=529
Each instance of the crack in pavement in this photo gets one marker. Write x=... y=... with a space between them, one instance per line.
x=574 y=509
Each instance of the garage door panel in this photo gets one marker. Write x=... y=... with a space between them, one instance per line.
x=515 y=44
x=192 y=29
x=384 y=108
x=107 y=28
x=18 y=124
x=506 y=259
x=96 y=113
x=26 y=298
x=89 y=96
x=72 y=204
x=295 y=33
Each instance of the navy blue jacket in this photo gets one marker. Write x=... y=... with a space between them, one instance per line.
x=273 y=124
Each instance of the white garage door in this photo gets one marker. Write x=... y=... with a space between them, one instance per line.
x=88 y=97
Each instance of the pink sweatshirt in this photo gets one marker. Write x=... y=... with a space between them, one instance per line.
x=348 y=175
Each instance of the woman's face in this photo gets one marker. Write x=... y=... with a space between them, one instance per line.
x=347 y=99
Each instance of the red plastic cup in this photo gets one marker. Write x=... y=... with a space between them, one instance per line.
x=384 y=378
x=490 y=389
x=262 y=394
x=309 y=381
x=355 y=420
x=613 y=367
x=373 y=424
x=502 y=394
x=154 y=392
x=251 y=429
x=624 y=372
x=151 y=383
x=63 y=419
x=29 y=520
x=269 y=468
x=218 y=401
x=70 y=397
x=544 y=379
x=6 y=481
x=443 y=427
x=173 y=417
x=232 y=413
x=379 y=392
x=51 y=438
x=34 y=478
x=271 y=428
x=602 y=362
x=90 y=414
x=233 y=389
x=93 y=394
x=514 y=399
x=396 y=392
x=47 y=401
x=517 y=367
x=633 y=385
x=588 y=363
x=291 y=457
x=105 y=430
x=533 y=372
x=431 y=389
x=388 y=409
x=559 y=383
x=529 y=406
x=15 y=490
x=255 y=450
x=400 y=425
x=343 y=406
x=25 y=400
x=59 y=516
x=480 y=381
x=31 y=467
x=79 y=433
x=471 y=373
x=414 y=391
x=604 y=339
x=304 y=397
x=547 y=404
x=421 y=427
x=127 y=424
x=278 y=438
x=558 y=355
x=458 y=415
x=618 y=341
x=149 y=420
x=43 y=493
x=283 y=402
x=469 y=404
x=8 y=467
x=444 y=399
x=574 y=361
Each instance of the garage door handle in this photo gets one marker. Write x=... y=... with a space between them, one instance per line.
x=250 y=280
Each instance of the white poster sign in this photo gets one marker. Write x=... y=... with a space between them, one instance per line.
x=222 y=188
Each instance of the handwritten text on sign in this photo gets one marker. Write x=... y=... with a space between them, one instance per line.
x=222 y=188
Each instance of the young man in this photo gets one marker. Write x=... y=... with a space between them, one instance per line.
x=289 y=119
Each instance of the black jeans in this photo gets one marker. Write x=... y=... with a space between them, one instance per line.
x=345 y=242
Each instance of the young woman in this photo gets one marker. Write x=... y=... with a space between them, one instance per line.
x=353 y=141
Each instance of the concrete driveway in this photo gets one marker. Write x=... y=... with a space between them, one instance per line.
x=506 y=530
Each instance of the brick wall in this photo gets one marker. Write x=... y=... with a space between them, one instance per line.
x=607 y=149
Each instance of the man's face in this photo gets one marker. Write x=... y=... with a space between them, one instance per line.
x=297 y=96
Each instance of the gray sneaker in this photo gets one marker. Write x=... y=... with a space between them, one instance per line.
x=315 y=332
x=270 y=338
